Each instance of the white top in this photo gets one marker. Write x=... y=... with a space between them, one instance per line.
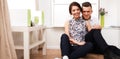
x=94 y=21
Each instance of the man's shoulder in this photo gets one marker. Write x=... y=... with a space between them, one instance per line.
x=94 y=18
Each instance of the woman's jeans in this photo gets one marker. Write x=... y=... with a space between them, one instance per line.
x=73 y=52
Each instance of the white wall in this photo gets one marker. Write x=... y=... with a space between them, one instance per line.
x=52 y=35
x=45 y=5
x=118 y=12
x=111 y=35
x=111 y=19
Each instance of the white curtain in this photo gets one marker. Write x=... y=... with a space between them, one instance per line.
x=7 y=49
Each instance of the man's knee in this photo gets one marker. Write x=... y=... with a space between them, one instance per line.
x=89 y=44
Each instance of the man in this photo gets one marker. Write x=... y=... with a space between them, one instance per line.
x=86 y=15
x=94 y=35
x=94 y=29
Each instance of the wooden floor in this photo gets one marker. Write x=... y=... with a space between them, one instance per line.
x=55 y=53
x=51 y=54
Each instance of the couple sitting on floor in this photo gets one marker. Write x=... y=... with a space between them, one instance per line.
x=83 y=35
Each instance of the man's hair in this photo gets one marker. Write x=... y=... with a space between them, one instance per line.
x=86 y=4
x=74 y=4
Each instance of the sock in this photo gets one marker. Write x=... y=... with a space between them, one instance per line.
x=65 y=57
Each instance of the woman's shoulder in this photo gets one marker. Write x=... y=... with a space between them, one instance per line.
x=69 y=20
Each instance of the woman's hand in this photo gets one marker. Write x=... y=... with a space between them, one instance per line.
x=82 y=43
x=88 y=25
x=72 y=41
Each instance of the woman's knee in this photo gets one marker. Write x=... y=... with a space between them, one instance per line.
x=64 y=36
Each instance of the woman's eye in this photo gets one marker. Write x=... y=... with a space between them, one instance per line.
x=78 y=9
x=73 y=10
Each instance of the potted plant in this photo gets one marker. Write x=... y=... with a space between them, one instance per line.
x=102 y=13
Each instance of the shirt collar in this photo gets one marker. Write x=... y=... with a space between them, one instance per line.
x=80 y=19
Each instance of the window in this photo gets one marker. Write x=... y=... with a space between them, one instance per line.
x=60 y=10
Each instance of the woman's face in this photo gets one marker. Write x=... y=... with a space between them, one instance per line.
x=75 y=11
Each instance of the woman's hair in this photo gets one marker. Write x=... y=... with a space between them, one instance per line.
x=74 y=4
x=86 y=4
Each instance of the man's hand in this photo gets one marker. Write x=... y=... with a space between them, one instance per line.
x=96 y=27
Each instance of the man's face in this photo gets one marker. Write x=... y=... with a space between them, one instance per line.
x=86 y=13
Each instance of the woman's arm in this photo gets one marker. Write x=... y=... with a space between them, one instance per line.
x=76 y=42
x=66 y=26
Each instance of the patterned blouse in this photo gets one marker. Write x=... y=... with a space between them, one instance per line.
x=77 y=29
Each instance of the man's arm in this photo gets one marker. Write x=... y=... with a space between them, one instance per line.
x=89 y=26
x=96 y=26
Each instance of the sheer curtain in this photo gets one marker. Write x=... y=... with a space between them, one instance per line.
x=7 y=49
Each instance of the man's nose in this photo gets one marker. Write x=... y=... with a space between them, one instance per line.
x=86 y=13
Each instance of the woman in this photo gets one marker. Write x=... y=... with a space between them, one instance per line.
x=73 y=45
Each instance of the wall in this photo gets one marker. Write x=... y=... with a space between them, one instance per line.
x=111 y=19
x=45 y=5
x=118 y=12
x=52 y=35
x=111 y=35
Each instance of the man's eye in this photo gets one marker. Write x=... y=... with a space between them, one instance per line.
x=88 y=11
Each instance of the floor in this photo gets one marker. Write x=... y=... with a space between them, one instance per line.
x=51 y=54
x=55 y=54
